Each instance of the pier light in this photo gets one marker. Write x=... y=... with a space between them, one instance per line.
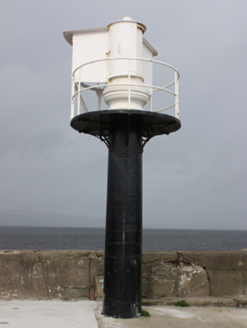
x=116 y=63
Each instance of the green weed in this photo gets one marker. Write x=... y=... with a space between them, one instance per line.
x=181 y=303
x=145 y=313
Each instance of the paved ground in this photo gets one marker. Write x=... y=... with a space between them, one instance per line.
x=174 y=317
x=61 y=314
x=48 y=314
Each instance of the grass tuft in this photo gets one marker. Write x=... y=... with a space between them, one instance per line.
x=181 y=303
x=145 y=313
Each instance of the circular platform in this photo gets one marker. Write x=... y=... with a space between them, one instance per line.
x=103 y=123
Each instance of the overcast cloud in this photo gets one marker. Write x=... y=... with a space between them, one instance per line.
x=194 y=178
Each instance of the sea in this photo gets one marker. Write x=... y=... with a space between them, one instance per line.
x=94 y=238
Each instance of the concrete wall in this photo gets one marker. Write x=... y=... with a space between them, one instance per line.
x=30 y=274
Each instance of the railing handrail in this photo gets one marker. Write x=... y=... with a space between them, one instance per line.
x=96 y=87
x=127 y=58
x=125 y=84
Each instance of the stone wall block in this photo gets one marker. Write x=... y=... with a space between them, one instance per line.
x=99 y=287
x=75 y=293
x=96 y=269
x=164 y=280
x=165 y=256
x=21 y=276
x=217 y=260
x=63 y=255
x=193 y=281
x=245 y=281
x=224 y=283
x=145 y=285
x=226 y=270
x=66 y=274
x=39 y=286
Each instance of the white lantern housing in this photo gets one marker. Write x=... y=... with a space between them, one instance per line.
x=116 y=62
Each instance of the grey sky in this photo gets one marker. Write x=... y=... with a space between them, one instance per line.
x=194 y=178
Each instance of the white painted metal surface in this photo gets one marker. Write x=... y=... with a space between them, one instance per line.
x=116 y=62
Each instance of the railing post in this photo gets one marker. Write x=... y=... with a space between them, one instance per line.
x=78 y=98
x=151 y=102
x=72 y=108
x=129 y=99
x=99 y=102
x=99 y=95
x=176 y=94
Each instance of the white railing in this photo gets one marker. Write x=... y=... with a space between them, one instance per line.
x=77 y=87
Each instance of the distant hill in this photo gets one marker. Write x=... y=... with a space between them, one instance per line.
x=46 y=219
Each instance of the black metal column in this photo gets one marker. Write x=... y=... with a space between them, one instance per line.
x=125 y=132
x=123 y=244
